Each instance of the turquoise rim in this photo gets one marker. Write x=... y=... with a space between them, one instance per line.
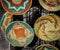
x=14 y=42
x=2 y=20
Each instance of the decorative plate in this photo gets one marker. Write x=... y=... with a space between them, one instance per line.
x=46 y=47
x=19 y=34
x=6 y=19
x=50 y=5
x=48 y=27
x=16 y=7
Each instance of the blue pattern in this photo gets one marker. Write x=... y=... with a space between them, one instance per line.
x=2 y=20
x=17 y=7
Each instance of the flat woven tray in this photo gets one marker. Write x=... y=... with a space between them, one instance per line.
x=30 y=17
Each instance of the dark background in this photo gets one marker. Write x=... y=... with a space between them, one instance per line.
x=30 y=17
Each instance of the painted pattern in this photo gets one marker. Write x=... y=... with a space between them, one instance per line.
x=16 y=8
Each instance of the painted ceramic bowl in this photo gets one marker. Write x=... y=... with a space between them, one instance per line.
x=16 y=7
x=19 y=34
x=46 y=47
x=6 y=19
x=50 y=5
x=48 y=27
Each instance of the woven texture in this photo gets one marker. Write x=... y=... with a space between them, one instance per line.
x=30 y=17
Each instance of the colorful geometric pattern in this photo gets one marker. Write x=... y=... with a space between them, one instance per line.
x=18 y=8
